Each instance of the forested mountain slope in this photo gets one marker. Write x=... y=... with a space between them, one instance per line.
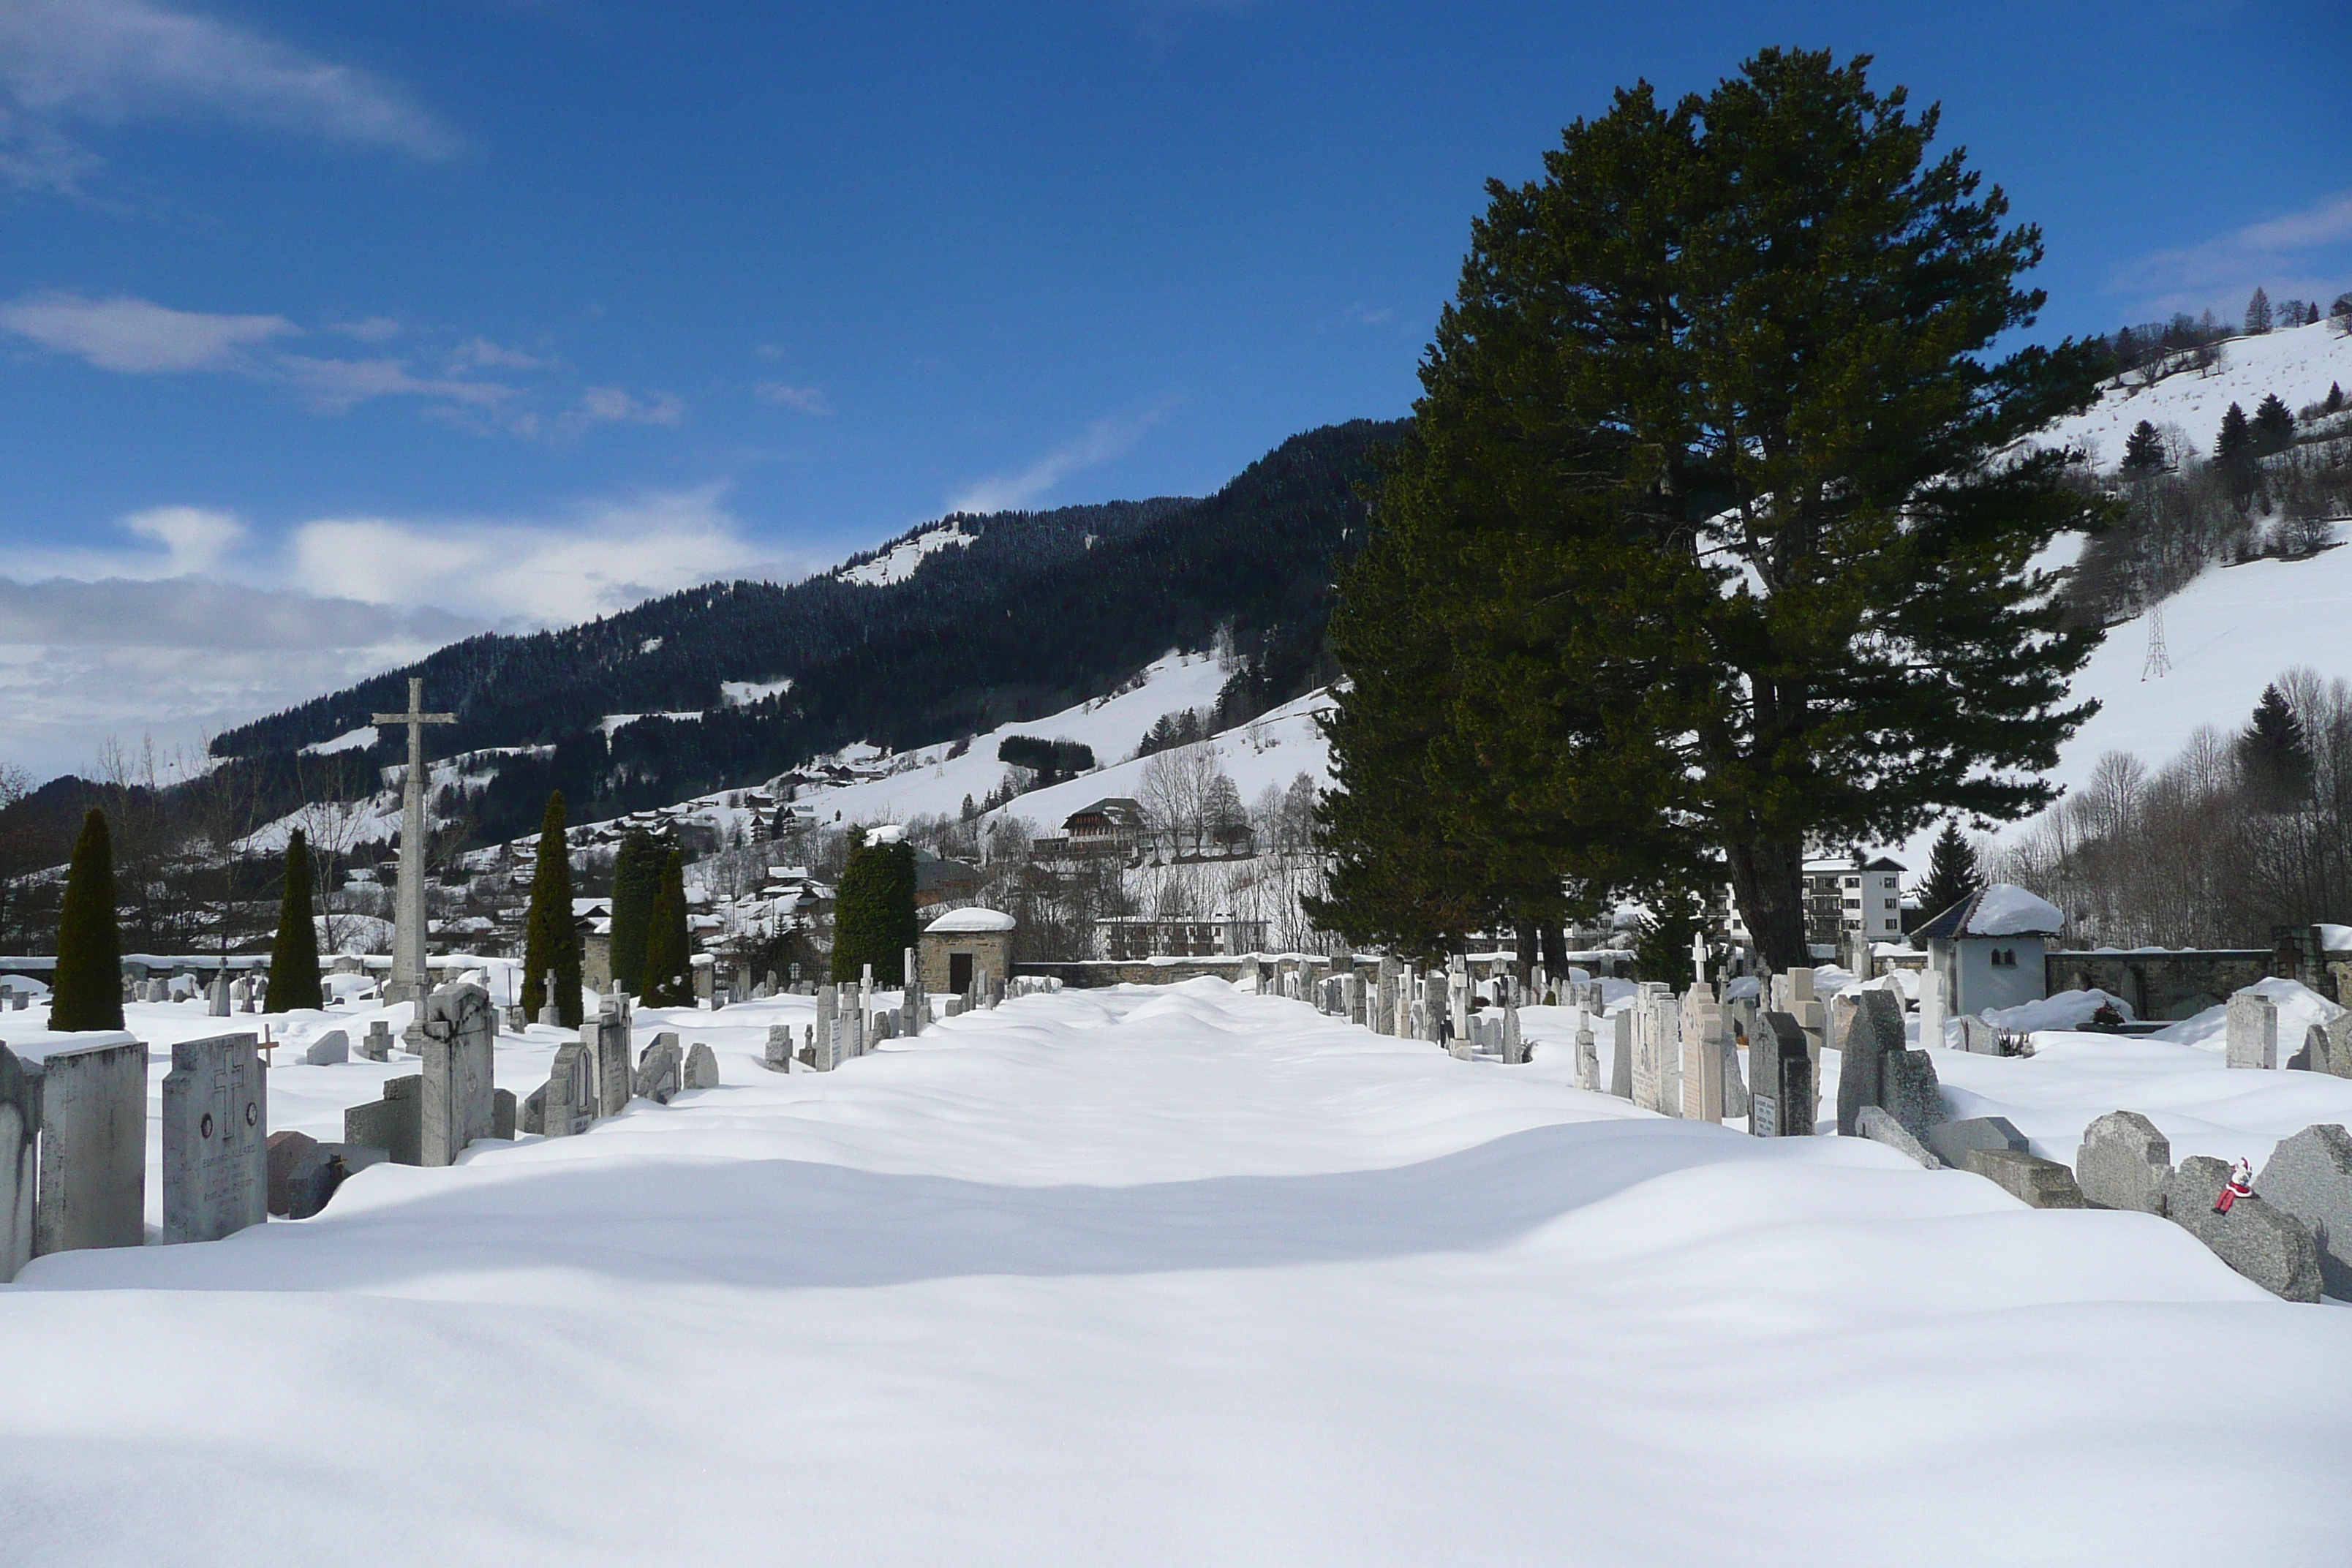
x=923 y=639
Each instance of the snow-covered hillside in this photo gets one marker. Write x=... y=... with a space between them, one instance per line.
x=2229 y=633
x=2299 y=363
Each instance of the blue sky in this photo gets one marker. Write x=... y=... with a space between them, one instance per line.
x=328 y=333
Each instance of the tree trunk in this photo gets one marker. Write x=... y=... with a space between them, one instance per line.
x=1555 y=952
x=1768 y=881
x=1524 y=938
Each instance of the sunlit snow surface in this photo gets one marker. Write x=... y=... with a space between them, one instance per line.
x=1180 y=1277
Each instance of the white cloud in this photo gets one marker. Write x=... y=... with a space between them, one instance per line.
x=2306 y=254
x=368 y=328
x=480 y=353
x=610 y=405
x=112 y=60
x=807 y=399
x=138 y=336
x=602 y=559
x=182 y=623
x=336 y=385
x=1104 y=439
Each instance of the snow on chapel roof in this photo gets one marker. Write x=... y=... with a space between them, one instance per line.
x=970 y=919
x=2001 y=910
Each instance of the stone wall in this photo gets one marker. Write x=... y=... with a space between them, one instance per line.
x=2161 y=984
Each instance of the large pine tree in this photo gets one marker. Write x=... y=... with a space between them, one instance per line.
x=87 y=989
x=1749 y=552
x=294 y=955
x=669 y=953
x=636 y=880
x=874 y=919
x=551 y=944
x=2234 y=443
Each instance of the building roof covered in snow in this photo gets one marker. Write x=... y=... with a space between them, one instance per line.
x=970 y=918
x=2004 y=909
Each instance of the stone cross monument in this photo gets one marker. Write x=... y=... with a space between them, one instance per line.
x=408 y=912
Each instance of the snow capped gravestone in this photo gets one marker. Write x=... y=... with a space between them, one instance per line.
x=1909 y=1091
x=377 y=1044
x=93 y=1148
x=20 y=1128
x=779 y=1054
x=217 y=997
x=2309 y=1176
x=828 y=1055
x=2124 y=1162
x=328 y=1049
x=1621 y=1065
x=460 y=1096
x=1588 y=1053
x=2253 y=1031
x=2267 y=1245
x=216 y=1138
x=701 y=1067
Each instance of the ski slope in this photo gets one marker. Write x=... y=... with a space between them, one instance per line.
x=1178 y=1277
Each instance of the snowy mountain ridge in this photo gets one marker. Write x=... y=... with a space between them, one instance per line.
x=2298 y=363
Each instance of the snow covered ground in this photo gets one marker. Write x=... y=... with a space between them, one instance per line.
x=2299 y=363
x=1163 y=1277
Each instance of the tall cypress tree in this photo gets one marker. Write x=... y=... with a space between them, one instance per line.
x=668 y=961
x=551 y=944
x=874 y=919
x=636 y=880
x=294 y=955
x=1756 y=567
x=88 y=993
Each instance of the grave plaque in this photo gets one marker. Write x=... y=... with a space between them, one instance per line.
x=701 y=1067
x=93 y=1148
x=611 y=1042
x=328 y=1049
x=216 y=1138
x=1875 y=1033
x=661 y=1070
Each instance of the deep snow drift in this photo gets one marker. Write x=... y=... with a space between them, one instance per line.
x=1161 y=1276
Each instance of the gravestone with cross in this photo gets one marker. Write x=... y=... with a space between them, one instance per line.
x=216 y=1138
x=408 y=978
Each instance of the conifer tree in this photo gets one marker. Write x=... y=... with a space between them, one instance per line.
x=636 y=880
x=2274 y=755
x=669 y=952
x=1748 y=562
x=551 y=941
x=2143 y=449
x=2272 y=426
x=2235 y=441
x=294 y=955
x=2258 y=314
x=87 y=989
x=2334 y=404
x=874 y=919
x=1952 y=873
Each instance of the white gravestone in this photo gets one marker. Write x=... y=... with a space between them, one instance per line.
x=216 y=1138
x=1931 y=1007
x=93 y=1148
x=2253 y=1031
x=460 y=1094
x=1701 y=1030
